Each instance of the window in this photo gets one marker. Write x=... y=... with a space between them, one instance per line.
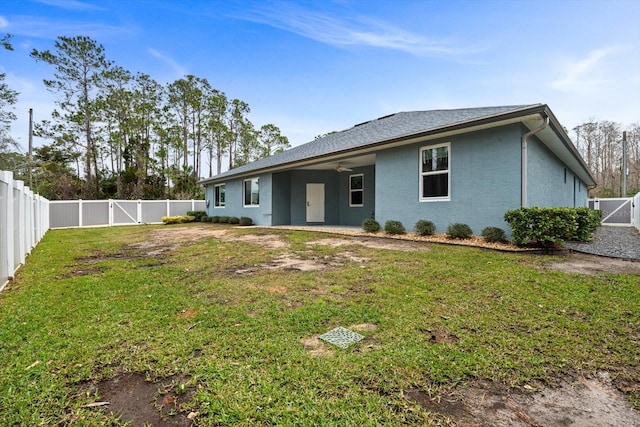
x=434 y=172
x=218 y=196
x=356 y=190
x=251 y=192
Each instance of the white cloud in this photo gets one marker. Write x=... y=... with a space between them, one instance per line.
x=4 y=22
x=50 y=29
x=343 y=32
x=177 y=68
x=71 y=4
x=583 y=74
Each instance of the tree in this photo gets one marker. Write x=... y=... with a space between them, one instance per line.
x=236 y=124
x=217 y=139
x=600 y=144
x=54 y=179
x=271 y=141
x=8 y=98
x=80 y=65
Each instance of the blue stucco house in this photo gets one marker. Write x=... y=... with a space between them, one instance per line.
x=463 y=165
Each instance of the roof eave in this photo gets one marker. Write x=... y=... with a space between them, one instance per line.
x=442 y=131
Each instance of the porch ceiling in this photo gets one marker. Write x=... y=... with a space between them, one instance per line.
x=347 y=162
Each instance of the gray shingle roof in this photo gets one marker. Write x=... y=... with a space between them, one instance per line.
x=375 y=132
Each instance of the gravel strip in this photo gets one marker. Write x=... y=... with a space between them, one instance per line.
x=615 y=242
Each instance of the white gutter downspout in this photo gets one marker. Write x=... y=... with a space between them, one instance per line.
x=523 y=144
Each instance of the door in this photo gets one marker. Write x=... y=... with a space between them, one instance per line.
x=315 y=202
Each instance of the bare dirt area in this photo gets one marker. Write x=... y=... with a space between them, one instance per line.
x=593 y=264
x=579 y=402
x=374 y=243
x=140 y=402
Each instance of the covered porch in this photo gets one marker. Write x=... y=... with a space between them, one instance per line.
x=335 y=192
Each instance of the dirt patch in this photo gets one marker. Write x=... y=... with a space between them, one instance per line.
x=269 y=241
x=374 y=243
x=294 y=262
x=442 y=336
x=89 y=271
x=316 y=347
x=592 y=264
x=584 y=402
x=134 y=399
x=189 y=313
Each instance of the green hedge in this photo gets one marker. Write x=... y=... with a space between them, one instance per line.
x=197 y=214
x=551 y=227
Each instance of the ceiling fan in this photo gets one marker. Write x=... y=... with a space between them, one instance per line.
x=341 y=168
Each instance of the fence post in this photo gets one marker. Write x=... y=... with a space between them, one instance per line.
x=18 y=225
x=110 y=212
x=139 y=212
x=168 y=207
x=7 y=225
x=79 y=212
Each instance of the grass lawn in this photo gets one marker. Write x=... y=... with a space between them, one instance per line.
x=237 y=339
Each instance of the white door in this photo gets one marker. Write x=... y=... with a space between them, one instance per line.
x=315 y=202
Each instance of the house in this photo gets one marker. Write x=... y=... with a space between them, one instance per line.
x=463 y=165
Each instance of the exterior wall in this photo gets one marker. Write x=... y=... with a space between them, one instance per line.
x=261 y=215
x=484 y=178
x=551 y=183
x=281 y=199
x=354 y=216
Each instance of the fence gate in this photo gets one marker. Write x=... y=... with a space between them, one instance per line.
x=614 y=211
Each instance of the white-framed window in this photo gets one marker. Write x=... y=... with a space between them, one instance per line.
x=218 y=196
x=356 y=190
x=435 y=177
x=251 y=192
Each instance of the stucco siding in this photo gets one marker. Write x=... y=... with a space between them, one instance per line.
x=354 y=215
x=551 y=183
x=484 y=181
x=234 y=200
x=281 y=198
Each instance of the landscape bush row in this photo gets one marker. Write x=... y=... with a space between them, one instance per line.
x=550 y=227
x=201 y=216
x=427 y=228
x=546 y=227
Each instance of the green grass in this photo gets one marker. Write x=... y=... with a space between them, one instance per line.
x=88 y=305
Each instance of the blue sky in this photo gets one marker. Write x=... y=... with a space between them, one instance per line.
x=311 y=67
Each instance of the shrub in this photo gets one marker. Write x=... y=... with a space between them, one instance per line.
x=179 y=219
x=245 y=220
x=494 y=234
x=588 y=220
x=370 y=225
x=550 y=227
x=459 y=231
x=394 y=227
x=234 y=220
x=425 y=228
x=223 y=220
x=197 y=215
x=215 y=219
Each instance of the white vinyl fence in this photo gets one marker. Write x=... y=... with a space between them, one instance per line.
x=103 y=213
x=24 y=220
x=636 y=211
